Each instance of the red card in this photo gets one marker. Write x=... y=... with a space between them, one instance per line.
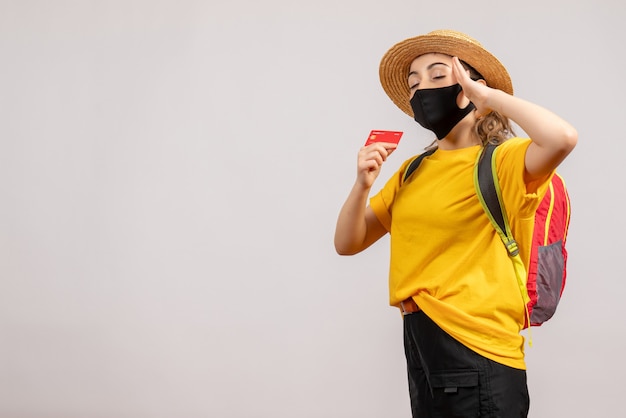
x=384 y=136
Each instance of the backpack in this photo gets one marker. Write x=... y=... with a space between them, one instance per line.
x=542 y=284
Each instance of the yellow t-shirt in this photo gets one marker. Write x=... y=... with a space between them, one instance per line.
x=446 y=254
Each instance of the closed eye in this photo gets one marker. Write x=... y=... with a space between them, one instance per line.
x=435 y=71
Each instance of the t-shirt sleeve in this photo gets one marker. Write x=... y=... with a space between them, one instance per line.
x=520 y=198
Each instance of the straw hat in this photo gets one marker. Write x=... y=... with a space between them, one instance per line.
x=394 y=67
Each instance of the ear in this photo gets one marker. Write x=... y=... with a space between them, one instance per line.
x=462 y=101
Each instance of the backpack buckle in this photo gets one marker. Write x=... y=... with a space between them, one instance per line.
x=512 y=248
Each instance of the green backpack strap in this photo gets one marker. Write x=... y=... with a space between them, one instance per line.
x=488 y=191
x=490 y=196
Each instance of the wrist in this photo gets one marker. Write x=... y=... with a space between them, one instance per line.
x=496 y=101
x=361 y=187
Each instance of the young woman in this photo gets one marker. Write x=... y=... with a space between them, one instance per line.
x=449 y=273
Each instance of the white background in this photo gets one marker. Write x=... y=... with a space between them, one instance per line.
x=170 y=176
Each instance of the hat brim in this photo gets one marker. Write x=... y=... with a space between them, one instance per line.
x=394 y=66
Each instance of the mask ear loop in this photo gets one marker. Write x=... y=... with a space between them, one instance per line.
x=460 y=99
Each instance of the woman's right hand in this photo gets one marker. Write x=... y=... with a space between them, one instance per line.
x=357 y=225
x=370 y=160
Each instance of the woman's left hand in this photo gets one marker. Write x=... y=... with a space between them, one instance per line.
x=476 y=91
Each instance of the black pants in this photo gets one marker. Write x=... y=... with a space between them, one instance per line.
x=446 y=379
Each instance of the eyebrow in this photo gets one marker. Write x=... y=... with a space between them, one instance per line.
x=428 y=68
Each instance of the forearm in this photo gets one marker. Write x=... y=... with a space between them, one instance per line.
x=351 y=229
x=552 y=137
x=544 y=127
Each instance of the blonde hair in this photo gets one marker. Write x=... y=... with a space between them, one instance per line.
x=493 y=128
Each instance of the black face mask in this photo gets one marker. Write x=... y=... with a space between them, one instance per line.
x=436 y=109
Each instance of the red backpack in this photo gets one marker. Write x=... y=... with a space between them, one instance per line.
x=542 y=285
x=548 y=259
